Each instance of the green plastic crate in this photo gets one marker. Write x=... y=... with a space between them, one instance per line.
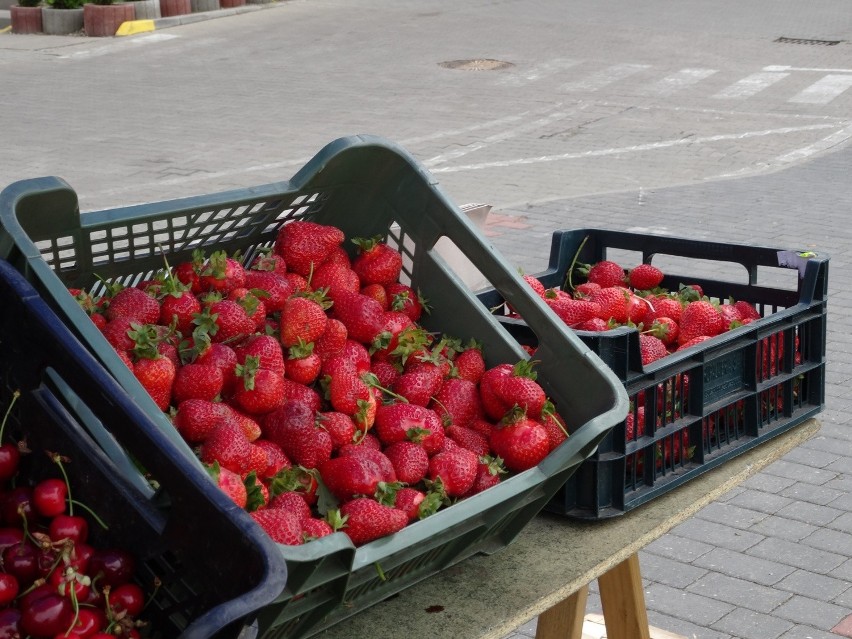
x=366 y=186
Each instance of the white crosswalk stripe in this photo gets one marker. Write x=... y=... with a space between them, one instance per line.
x=605 y=77
x=680 y=80
x=750 y=85
x=824 y=90
x=537 y=72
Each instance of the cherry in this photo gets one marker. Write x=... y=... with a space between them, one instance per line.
x=10 y=536
x=115 y=566
x=18 y=504
x=10 y=619
x=68 y=527
x=21 y=561
x=80 y=557
x=49 y=497
x=8 y=588
x=10 y=457
x=67 y=579
x=129 y=597
x=48 y=615
x=90 y=621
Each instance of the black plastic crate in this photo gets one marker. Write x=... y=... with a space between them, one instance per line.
x=706 y=404
x=212 y=585
x=366 y=186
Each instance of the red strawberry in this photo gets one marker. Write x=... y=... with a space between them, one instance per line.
x=645 y=277
x=635 y=424
x=302 y=318
x=457 y=402
x=520 y=441
x=305 y=245
x=133 y=304
x=378 y=293
x=666 y=329
x=699 y=318
x=651 y=348
x=227 y=445
x=293 y=427
x=351 y=476
x=254 y=307
x=470 y=364
x=303 y=365
x=333 y=339
x=157 y=376
x=535 y=284
x=573 y=311
x=613 y=303
x=666 y=306
x=376 y=262
x=261 y=390
x=221 y=273
x=224 y=358
x=179 y=307
x=399 y=421
x=350 y=394
x=335 y=278
x=339 y=426
x=363 y=316
x=293 y=502
x=456 y=469
x=296 y=392
x=274 y=287
x=692 y=342
x=195 y=419
x=116 y=333
x=299 y=479
x=488 y=473
x=586 y=289
x=266 y=349
x=282 y=526
x=731 y=316
x=373 y=454
x=410 y=500
x=367 y=520
x=276 y=460
x=230 y=483
x=606 y=273
x=225 y=321
x=492 y=404
x=266 y=260
x=469 y=438
x=385 y=371
x=747 y=310
x=197 y=381
x=410 y=461
x=405 y=299
x=420 y=381
x=638 y=309
x=520 y=389
x=314 y=528
x=596 y=324
x=554 y=423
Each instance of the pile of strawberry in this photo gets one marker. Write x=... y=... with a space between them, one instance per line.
x=667 y=321
x=306 y=384
x=53 y=581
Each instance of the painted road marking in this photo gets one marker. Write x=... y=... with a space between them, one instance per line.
x=119 y=44
x=536 y=72
x=785 y=68
x=653 y=146
x=823 y=90
x=680 y=80
x=750 y=85
x=605 y=77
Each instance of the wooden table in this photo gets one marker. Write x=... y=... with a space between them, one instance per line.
x=545 y=572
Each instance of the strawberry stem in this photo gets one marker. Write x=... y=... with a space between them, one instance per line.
x=569 y=283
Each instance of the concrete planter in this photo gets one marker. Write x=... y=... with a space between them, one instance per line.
x=61 y=21
x=147 y=9
x=199 y=6
x=169 y=8
x=25 y=19
x=230 y=4
x=101 y=20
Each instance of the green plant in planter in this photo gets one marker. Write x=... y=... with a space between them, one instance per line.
x=64 y=4
x=29 y=3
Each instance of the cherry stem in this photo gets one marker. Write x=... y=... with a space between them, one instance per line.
x=100 y=521
x=15 y=395
x=58 y=461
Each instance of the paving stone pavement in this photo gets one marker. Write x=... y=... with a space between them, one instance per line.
x=610 y=117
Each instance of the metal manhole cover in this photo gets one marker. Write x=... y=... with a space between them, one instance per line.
x=826 y=43
x=484 y=64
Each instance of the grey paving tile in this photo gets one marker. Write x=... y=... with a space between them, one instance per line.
x=718 y=534
x=684 y=627
x=761 y=502
x=783 y=528
x=820 y=495
x=743 y=566
x=835 y=541
x=811 y=612
x=810 y=456
x=766 y=483
x=678 y=603
x=800 y=472
x=669 y=572
x=732 y=514
x=747 y=624
x=821 y=587
x=797 y=555
x=810 y=513
x=805 y=632
x=677 y=548
x=740 y=592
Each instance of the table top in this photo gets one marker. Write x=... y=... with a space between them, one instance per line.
x=489 y=596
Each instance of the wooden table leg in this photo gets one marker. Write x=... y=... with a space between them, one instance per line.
x=623 y=601
x=565 y=619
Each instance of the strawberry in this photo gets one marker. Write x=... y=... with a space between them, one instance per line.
x=376 y=262
x=227 y=445
x=157 y=376
x=666 y=329
x=292 y=426
x=747 y=310
x=521 y=442
x=586 y=289
x=535 y=284
x=699 y=318
x=221 y=273
x=400 y=421
x=366 y=520
x=261 y=390
x=339 y=426
x=197 y=381
x=302 y=480
x=470 y=364
x=266 y=349
x=302 y=318
x=195 y=419
x=133 y=304
x=613 y=303
x=573 y=311
x=488 y=473
x=635 y=424
x=469 y=438
x=651 y=348
x=351 y=476
x=606 y=273
x=405 y=299
x=305 y=245
x=116 y=333
x=554 y=424
x=520 y=389
x=274 y=288
x=455 y=469
x=276 y=460
x=314 y=528
x=230 y=483
x=410 y=501
x=492 y=404
x=386 y=372
x=420 y=381
x=457 y=402
x=363 y=316
x=187 y=272
x=253 y=305
x=731 y=316
x=638 y=308
x=225 y=321
x=335 y=278
x=410 y=461
x=266 y=260
x=332 y=340
x=399 y=336
x=350 y=394
x=296 y=392
x=179 y=306
x=596 y=324
x=692 y=342
x=303 y=365
x=378 y=293
x=293 y=502
x=282 y=526
x=375 y=455
x=248 y=424
x=645 y=277
x=224 y=358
